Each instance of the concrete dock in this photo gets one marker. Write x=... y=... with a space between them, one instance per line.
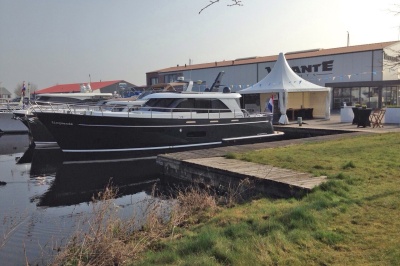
x=210 y=167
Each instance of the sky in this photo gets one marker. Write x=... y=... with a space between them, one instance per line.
x=49 y=42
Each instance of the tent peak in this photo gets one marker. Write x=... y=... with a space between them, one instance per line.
x=282 y=78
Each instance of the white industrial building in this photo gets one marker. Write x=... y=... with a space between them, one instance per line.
x=365 y=74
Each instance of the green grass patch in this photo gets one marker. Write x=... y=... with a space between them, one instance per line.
x=349 y=165
x=352 y=219
x=230 y=155
x=328 y=237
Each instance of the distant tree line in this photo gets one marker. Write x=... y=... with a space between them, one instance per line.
x=30 y=87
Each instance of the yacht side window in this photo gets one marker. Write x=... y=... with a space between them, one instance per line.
x=158 y=105
x=184 y=105
x=218 y=106
x=202 y=105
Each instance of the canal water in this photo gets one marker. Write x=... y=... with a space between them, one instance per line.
x=43 y=197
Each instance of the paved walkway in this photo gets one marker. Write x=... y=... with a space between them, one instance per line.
x=334 y=123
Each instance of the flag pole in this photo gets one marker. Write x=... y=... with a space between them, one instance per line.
x=21 y=102
x=29 y=93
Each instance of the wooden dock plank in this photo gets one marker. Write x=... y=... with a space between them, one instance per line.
x=265 y=172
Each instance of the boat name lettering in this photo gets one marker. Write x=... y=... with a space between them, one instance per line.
x=61 y=123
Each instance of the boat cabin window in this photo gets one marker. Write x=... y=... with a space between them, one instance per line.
x=186 y=105
x=219 y=106
x=159 y=105
x=183 y=105
x=214 y=105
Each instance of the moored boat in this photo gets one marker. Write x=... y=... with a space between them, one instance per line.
x=41 y=137
x=7 y=124
x=166 y=122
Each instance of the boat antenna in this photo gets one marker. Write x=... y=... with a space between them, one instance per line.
x=217 y=81
x=190 y=72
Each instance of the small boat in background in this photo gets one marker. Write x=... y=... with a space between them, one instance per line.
x=7 y=123
x=61 y=102
x=40 y=136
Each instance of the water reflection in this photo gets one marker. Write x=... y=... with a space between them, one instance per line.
x=13 y=143
x=46 y=194
x=43 y=162
x=74 y=182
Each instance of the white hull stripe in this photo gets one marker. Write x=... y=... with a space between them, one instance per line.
x=111 y=160
x=145 y=148
x=46 y=142
x=46 y=145
x=164 y=126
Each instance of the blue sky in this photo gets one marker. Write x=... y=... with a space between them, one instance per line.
x=49 y=42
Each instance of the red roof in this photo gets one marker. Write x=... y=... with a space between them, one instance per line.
x=76 y=87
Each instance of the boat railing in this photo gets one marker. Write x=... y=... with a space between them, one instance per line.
x=246 y=113
x=8 y=107
x=189 y=112
x=63 y=107
x=130 y=110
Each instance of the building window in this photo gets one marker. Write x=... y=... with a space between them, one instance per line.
x=390 y=96
x=355 y=96
x=346 y=93
x=342 y=96
x=154 y=81
x=364 y=96
x=372 y=97
x=170 y=78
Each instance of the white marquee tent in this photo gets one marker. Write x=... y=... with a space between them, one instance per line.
x=293 y=91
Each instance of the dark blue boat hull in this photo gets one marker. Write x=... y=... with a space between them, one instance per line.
x=81 y=133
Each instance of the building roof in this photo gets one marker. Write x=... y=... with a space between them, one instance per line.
x=288 y=55
x=4 y=91
x=76 y=87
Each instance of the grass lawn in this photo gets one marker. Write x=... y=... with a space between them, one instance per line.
x=353 y=219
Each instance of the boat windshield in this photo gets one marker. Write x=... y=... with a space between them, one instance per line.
x=144 y=94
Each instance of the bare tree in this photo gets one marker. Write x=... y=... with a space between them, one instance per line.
x=392 y=55
x=30 y=88
x=212 y=2
x=396 y=11
x=33 y=88
x=18 y=89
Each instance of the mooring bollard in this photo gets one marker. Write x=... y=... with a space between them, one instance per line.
x=299 y=121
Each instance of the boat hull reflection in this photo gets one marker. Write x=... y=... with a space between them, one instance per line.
x=13 y=143
x=77 y=182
